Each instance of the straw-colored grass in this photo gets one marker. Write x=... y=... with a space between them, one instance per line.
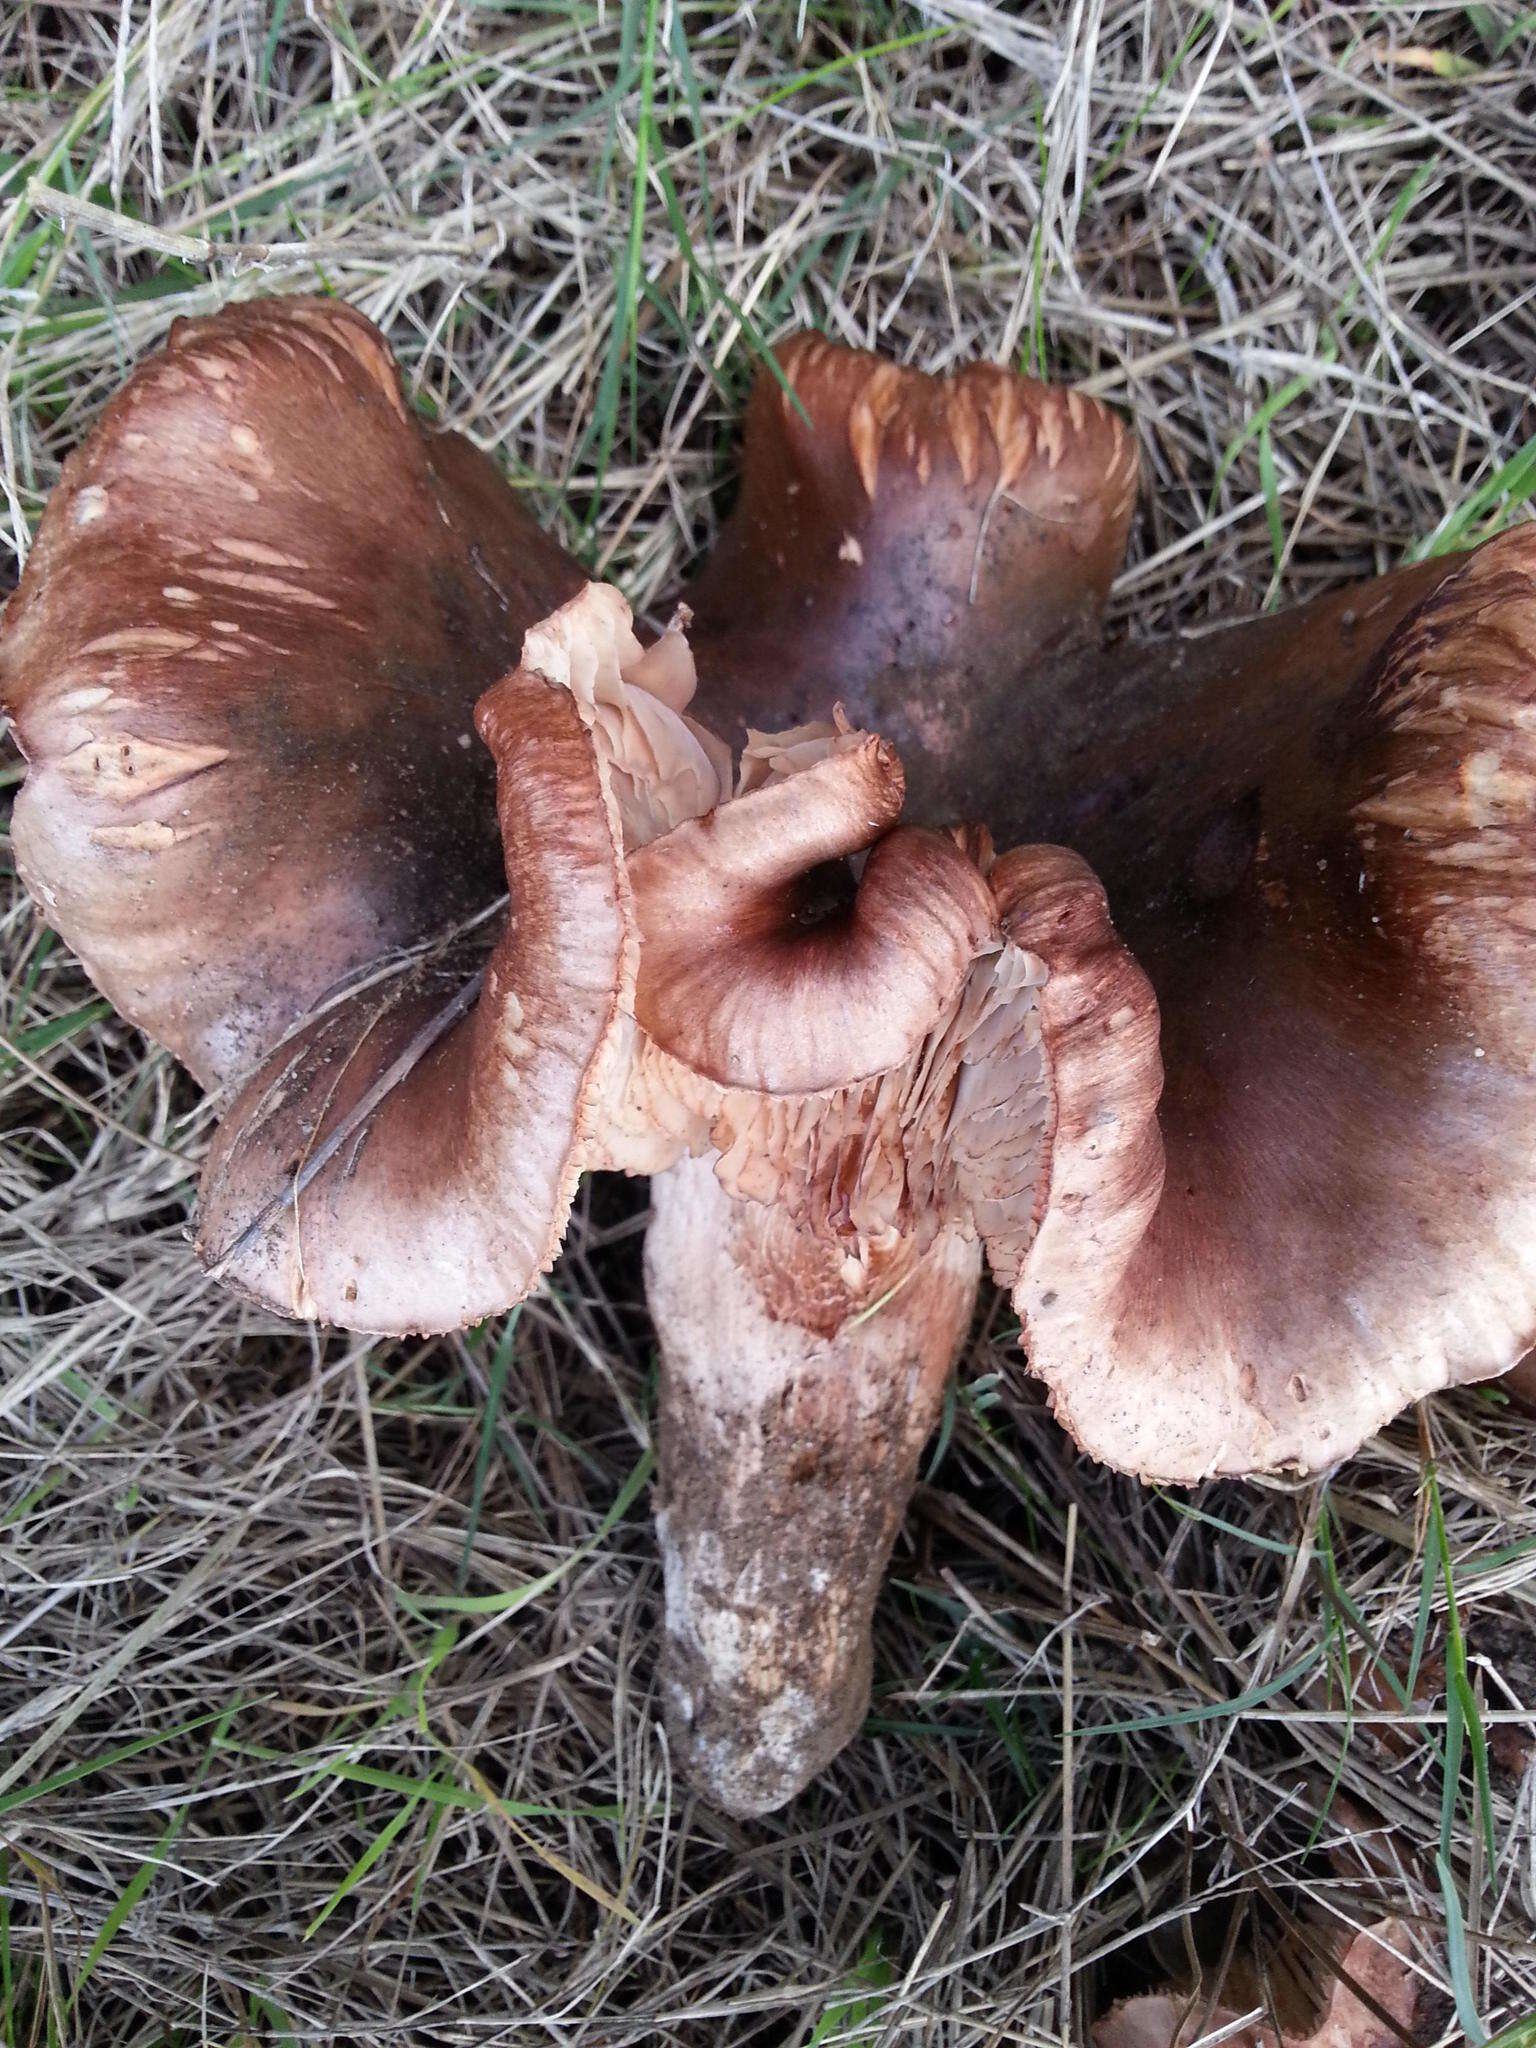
x=251 y=1786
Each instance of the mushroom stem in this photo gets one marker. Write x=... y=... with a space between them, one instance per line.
x=797 y=1389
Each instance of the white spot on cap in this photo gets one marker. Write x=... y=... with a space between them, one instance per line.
x=152 y=836
x=244 y=438
x=90 y=505
x=850 y=551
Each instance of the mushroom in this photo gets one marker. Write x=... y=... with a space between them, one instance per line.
x=405 y=1158
x=875 y=1068
x=1318 y=836
x=849 y=1046
x=244 y=663
x=255 y=806
x=1369 y=1998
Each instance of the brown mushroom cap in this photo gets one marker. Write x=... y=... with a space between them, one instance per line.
x=242 y=663
x=1339 y=932
x=743 y=986
x=907 y=543
x=406 y=1159
x=387 y=1179
x=1374 y=1961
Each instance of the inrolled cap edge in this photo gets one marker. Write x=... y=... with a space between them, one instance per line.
x=742 y=984
x=1100 y=1029
x=1348 y=1219
x=448 y=1193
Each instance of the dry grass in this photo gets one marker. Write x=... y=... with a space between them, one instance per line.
x=252 y=1782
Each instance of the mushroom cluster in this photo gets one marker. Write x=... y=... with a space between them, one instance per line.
x=348 y=788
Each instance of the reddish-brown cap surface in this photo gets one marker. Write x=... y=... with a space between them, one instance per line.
x=388 y=1174
x=1370 y=2002
x=1349 y=1215
x=750 y=983
x=908 y=544
x=242 y=663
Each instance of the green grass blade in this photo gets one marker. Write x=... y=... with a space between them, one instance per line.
x=605 y=411
x=1462 y=1714
x=42 y=1038
x=1521 y=2035
x=1328 y=346
x=1269 y=484
x=24 y=1795
x=1190 y=1513
x=145 y=1875
x=1491 y=505
x=519 y=1596
x=1132 y=127
x=1456 y=1957
x=501 y=1365
x=362 y=1866
x=847 y=2014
